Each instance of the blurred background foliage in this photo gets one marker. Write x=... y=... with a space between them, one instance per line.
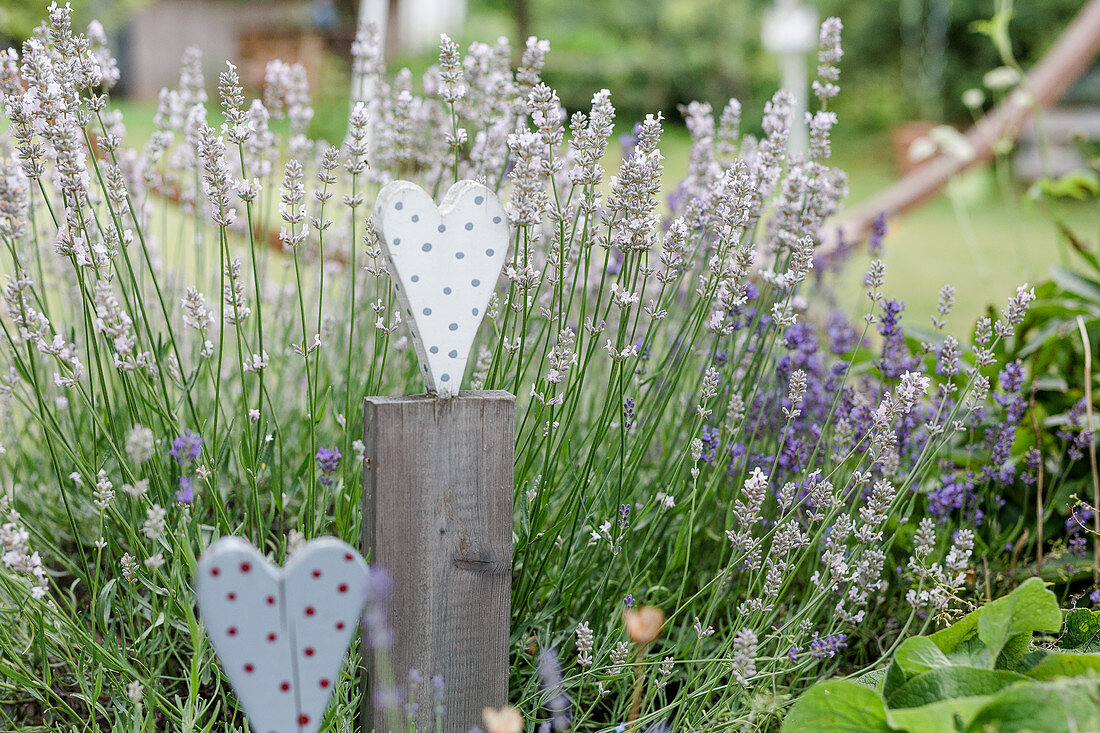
x=903 y=60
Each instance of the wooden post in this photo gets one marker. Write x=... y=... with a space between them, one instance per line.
x=437 y=514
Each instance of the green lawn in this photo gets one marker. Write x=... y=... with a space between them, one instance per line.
x=981 y=236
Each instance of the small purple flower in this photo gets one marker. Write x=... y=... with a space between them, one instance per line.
x=186 y=448
x=376 y=625
x=624 y=516
x=186 y=493
x=439 y=709
x=878 y=233
x=827 y=647
x=628 y=413
x=629 y=600
x=710 y=438
x=328 y=460
x=549 y=671
x=1095 y=597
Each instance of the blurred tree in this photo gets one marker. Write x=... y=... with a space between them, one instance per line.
x=19 y=18
x=657 y=54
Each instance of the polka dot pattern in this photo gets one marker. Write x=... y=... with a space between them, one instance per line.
x=445 y=283
x=252 y=611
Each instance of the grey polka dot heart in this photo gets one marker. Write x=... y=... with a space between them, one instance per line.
x=445 y=262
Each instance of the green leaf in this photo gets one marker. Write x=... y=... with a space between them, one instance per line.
x=1053 y=707
x=1077 y=284
x=919 y=654
x=872 y=679
x=837 y=706
x=945 y=715
x=1029 y=608
x=949 y=639
x=944 y=683
x=1081 y=185
x=1066 y=664
x=1029 y=660
x=972 y=653
x=1082 y=630
x=893 y=680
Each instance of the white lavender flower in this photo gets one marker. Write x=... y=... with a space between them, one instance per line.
x=743 y=665
x=291 y=208
x=450 y=70
x=104 y=491
x=140 y=444
x=619 y=655
x=1013 y=314
x=585 y=642
x=236 y=308
x=529 y=198
x=153 y=527
x=828 y=56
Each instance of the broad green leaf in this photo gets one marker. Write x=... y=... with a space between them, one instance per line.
x=945 y=715
x=1029 y=660
x=872 y=679
x=971 y=653
x=919 y=654
x=1052 y=707
x=1013 y=651
x=837 y=706
x=1066 y=664
x=893 y=680
x=949 y=639
x=1082 y=630
x=1029 y=608
x=944 y=683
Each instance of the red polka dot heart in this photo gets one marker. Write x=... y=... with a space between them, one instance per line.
x=281 y=633
x=445 y=263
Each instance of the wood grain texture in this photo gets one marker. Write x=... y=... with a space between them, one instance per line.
x=437 y=514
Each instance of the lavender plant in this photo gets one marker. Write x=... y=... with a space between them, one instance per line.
x=192 y=322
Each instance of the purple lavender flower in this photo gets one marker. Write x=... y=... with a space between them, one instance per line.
x=186 y=493
x=878 y=233
x=328 y=460
x=439 y=690
x=628 y=413
x=895 y=358
x=186 y=448
x=955 y=494
x=828 y=646
x=624 y=516
x=842 y=336
x=549 y=670
x=710 y=438
x=643 y=355
x=629 y=600
x=376 y=626
x=1095 y=597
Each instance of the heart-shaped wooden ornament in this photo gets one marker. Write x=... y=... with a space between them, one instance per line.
x=281 y=633
x=445 y=263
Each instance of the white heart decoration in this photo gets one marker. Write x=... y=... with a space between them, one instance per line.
x=281 y=633
x=445 y=263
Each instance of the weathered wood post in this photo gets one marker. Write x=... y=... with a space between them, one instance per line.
x=438 y=468
x=437 y=514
